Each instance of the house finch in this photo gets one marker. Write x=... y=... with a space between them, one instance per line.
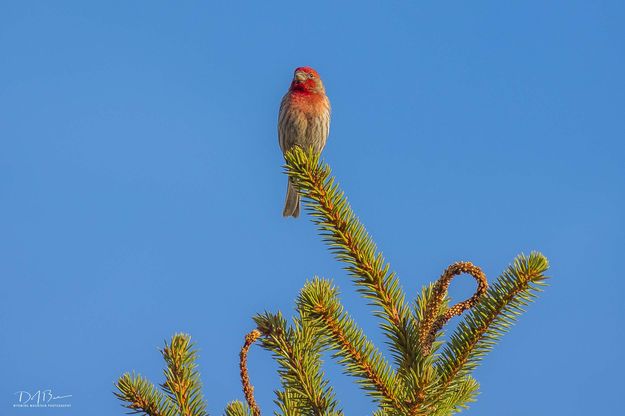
x=304 y=120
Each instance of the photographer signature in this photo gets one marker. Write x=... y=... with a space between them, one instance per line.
x=38 y=397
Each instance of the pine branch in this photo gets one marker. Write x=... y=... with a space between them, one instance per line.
x=288 y=403
x=351 y=244
x=424 y=306
x=423 y=379
x=298 y=352
x=274 y=334
x=426 y=381
x=433 y=317
x=491 y=317
x=456 y=399
x=182 y=381
x=237 y=408
x=248 y=389
x=318 y=299
x=141 y=396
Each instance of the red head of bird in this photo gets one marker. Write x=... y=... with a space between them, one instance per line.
x=306 y=80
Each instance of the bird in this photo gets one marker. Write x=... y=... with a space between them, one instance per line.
x=303 y=120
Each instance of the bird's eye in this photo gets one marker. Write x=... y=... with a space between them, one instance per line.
x=311 y=75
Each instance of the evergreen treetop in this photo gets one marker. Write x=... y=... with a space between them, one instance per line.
x=423 y=375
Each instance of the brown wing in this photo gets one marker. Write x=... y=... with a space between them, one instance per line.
x=292 y=125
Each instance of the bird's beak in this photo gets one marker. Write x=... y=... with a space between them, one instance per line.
x=300 y=76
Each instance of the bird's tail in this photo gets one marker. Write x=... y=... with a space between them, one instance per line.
x=291 y=203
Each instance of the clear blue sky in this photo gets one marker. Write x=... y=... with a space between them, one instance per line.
x=141 y=185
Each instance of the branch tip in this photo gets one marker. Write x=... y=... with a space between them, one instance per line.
x=248 y=389
x=433 y=321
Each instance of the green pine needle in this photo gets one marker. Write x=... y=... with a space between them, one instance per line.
x=182 y=381
x=141 y=396
x=492 y=317
x=319 y=301
x=347 y=238
x=237 y=408
x=297 y=350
